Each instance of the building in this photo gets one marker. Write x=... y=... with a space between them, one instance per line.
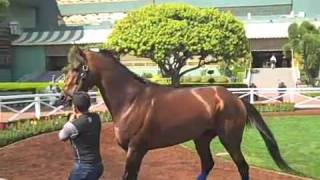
x=41 y=31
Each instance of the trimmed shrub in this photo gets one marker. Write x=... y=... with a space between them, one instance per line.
x=147 y=75
x=226 y=85
x=211 y=80
x=221 y=79
x=275 y=107
x=185 y=79
x=205 y=79
x=34 y=87
x=195 y=79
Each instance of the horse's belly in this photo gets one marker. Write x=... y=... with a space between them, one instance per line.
x=172 y=135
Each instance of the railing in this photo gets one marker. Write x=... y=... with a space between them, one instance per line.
x=301 y=97
x=17 y=107
x=36 y=105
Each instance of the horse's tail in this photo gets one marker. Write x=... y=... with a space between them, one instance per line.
x=255 y=118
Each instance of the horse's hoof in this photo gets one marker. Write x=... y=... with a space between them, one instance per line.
x=202 y=176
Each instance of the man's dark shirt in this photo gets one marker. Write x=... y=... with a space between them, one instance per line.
x=84 y=135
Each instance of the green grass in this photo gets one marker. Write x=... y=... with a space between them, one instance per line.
x=298 y=139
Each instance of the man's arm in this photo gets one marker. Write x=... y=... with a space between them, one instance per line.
x=68 y=131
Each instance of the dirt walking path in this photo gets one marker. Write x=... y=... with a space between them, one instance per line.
x=45 y=158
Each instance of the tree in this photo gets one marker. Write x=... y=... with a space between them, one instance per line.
x=172 y=34
x=304 y=40
x=3 y=6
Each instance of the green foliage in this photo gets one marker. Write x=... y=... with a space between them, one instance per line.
x=221 y=79
x=27 y=128
x=226 y=85
x=211 y=80
x=240 y=76
x=195 y=79
x=205 y=79
x=186 y=79
x=147 y=75
x=25 y=86
x=172 y=34
x=3 y=5
x=24 y=129
x=305 y=41
x=275 y=107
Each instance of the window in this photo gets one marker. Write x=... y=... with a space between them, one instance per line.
x=56 y=63
x=4 y=60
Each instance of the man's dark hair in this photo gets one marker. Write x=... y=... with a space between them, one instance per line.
x=81 y=100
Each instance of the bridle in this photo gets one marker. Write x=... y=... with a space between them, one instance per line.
x=82 y=75
x=84 y=70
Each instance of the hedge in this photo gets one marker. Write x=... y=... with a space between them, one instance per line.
x=25 y=86
x=275 y=107
x=226 y=85
x=193 y=82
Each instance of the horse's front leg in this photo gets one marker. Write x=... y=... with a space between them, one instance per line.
x=133 y=162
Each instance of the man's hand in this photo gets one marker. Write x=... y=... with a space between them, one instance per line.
x=72 y=116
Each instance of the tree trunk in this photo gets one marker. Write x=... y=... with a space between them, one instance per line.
x=175 y=80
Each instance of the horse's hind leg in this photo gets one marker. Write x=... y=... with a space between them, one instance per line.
x=135 y=154
x=232 y=143
x=203 y=149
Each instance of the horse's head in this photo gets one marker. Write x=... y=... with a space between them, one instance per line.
x=78 y=74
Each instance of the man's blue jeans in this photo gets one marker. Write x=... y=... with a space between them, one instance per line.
x=86 y=171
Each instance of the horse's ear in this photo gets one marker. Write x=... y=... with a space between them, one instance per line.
x=76 y=57
x=81 y=57
x=72 y=54
x=82 y=54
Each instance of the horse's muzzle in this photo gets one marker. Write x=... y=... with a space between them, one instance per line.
x=64 y=100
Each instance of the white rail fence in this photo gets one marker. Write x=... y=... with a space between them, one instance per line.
x=34 y=106
x=17 y=107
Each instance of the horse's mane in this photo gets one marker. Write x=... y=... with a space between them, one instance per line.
x=116 y=59
x=76 y=58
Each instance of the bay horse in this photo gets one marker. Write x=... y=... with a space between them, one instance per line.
x=147 y=116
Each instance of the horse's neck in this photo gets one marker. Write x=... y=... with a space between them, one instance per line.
x=118 y=94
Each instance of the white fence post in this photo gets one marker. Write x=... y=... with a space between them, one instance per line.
x=37 y=106
x=251 y=96
x=292 y=94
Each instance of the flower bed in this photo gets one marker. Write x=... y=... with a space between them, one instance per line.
x=27 y=128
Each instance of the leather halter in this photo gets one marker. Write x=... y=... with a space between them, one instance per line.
x=82 y=75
